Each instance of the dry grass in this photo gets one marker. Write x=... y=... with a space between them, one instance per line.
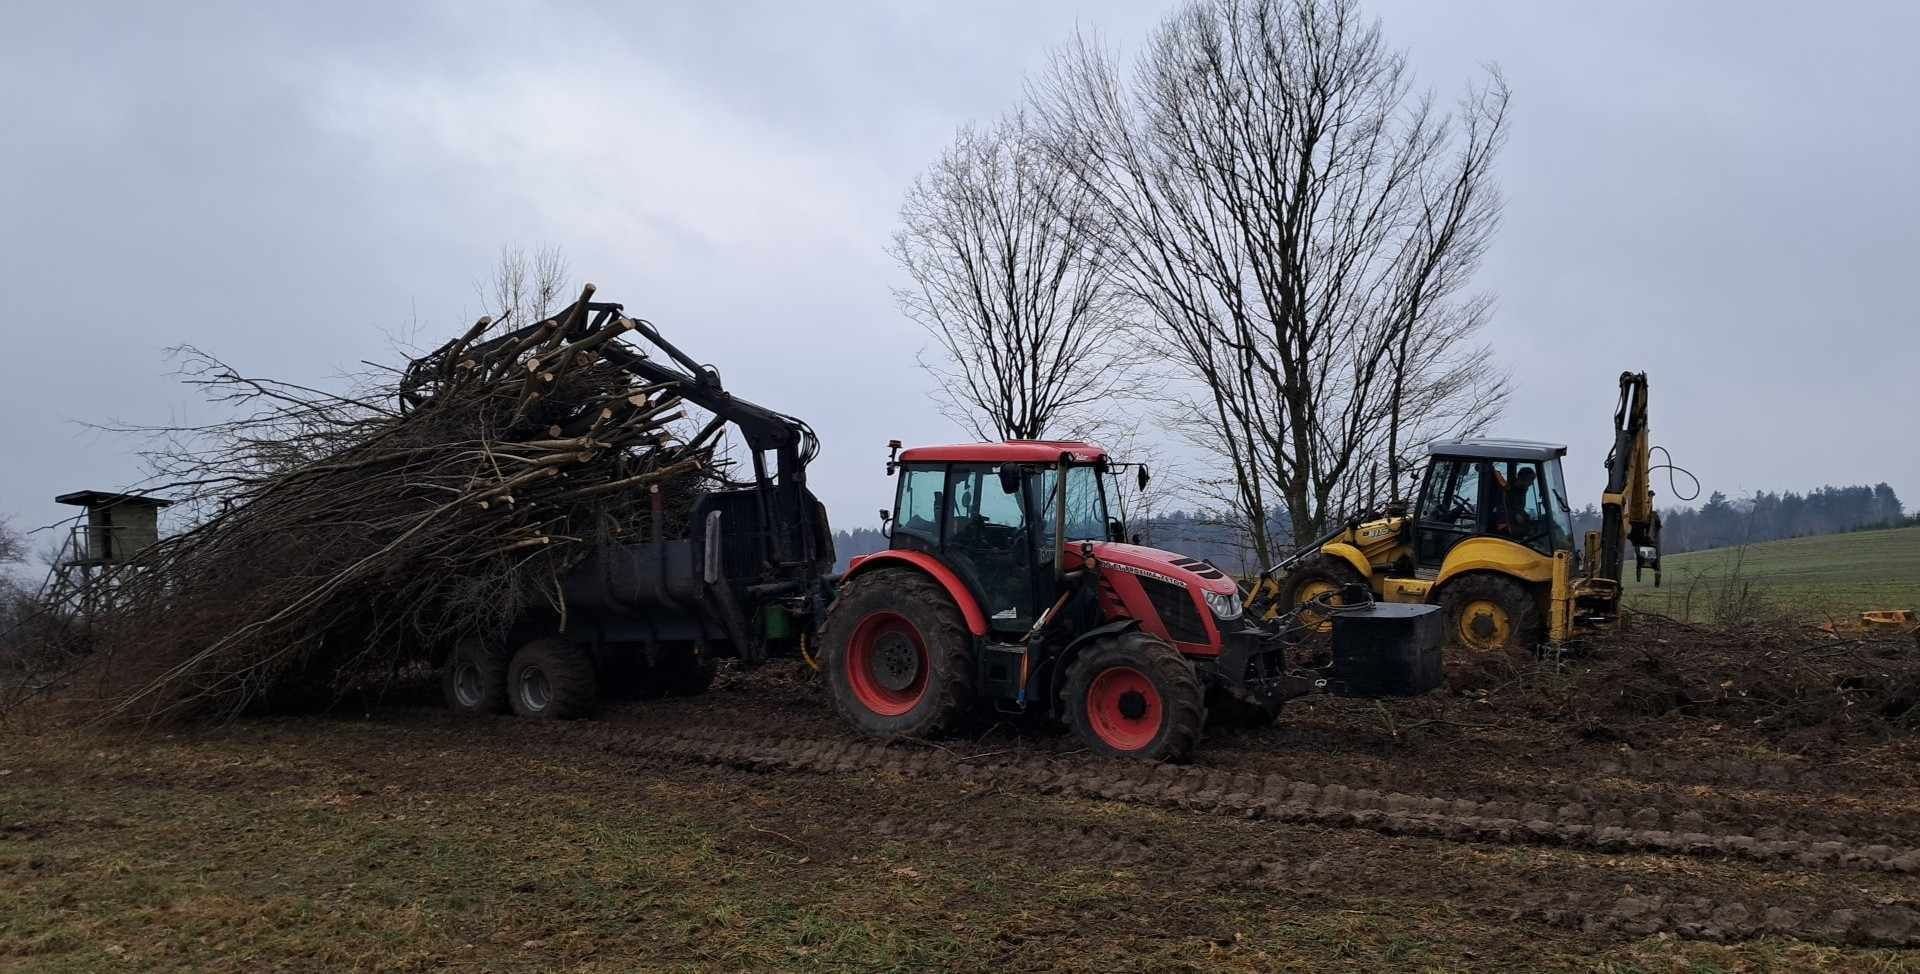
x=1804 y=579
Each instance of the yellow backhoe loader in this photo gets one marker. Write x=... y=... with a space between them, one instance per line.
x=1489 y=538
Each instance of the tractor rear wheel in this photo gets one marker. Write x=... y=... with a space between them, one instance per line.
x=1319 y=577
x=1133 y=695
x=551 y=679
x=1488 y=613
x=474 y=680
x=897 y=655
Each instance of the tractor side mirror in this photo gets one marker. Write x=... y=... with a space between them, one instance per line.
x=1009 y=478
x=1116 y=532
x=1143 y=477
x=886 y=523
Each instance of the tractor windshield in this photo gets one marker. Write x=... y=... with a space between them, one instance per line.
x=1086 y=504
x=1562 y=538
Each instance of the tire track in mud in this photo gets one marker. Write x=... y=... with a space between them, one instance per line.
x=1264 y=746
x=1768 y=799
x=1276 y=798
x=1771 y=801
x=1633 y=914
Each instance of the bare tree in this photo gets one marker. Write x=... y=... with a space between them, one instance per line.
x=13 y=547
x=1018 y=293
x=526 y=288
x=1302 y=229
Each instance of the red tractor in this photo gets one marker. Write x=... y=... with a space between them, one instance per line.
x=1007 y=588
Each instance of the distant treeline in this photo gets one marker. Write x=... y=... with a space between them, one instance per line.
x=1767 y=516
x=1719 y=523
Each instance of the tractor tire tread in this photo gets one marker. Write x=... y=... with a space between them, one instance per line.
x=930 y=608
x=1521 y=606
x=492 y=661
x=1183 y=696
x=1322 y=567
x=572 y=684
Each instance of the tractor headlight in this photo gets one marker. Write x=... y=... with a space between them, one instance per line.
x=1225 y=607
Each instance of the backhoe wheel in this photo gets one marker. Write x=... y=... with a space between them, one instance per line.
x=1321 y=575
x=897 y=655
x=551 y=679
x=685 y=672
x=1489 y=613
x=1133 y=695
x=474 y=679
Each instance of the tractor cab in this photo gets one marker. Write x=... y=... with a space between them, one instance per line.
x=987 y=512
x=1509 y=489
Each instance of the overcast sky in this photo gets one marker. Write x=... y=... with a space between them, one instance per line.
x=1721 y=194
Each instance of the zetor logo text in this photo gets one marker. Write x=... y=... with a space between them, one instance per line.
x=1132 y=570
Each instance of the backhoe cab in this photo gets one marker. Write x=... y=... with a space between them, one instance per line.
x=1007 y=588
x=1489 y=538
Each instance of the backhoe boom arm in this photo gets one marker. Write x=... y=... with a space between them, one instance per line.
x=1626 y=506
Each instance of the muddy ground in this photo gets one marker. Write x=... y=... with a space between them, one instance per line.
x=1527 y=818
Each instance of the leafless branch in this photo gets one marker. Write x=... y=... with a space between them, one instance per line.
x=1013 y=282
x=1301 y=229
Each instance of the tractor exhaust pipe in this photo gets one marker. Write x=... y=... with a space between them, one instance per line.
x=1060 y=522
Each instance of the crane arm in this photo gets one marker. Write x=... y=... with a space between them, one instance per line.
x=1626 y=506
x=782 y=498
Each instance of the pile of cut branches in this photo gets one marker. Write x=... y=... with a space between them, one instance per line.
x=336 y=540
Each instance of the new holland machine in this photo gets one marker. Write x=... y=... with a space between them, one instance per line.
x=1007 y=591
x=1489 y=540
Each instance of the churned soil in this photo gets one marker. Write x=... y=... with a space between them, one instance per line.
x=1533 y=815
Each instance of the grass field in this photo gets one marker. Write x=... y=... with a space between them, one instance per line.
x=1807 y=578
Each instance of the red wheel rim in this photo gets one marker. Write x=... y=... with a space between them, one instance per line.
x=1124 y=709
x=887 y=664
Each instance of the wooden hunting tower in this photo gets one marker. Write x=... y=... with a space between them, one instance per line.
x=118 y=526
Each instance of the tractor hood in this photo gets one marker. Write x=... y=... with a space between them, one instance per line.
x=1165 y=565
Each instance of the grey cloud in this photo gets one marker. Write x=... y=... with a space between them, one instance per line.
x=1719 y=194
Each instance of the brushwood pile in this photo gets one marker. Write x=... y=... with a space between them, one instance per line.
x=335 y=540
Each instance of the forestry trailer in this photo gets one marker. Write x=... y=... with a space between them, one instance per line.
x=743 y=575
x=1007 y=590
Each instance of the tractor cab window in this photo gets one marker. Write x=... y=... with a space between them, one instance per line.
x=982 y=508
x=1449 y=510
x=1557 y=507
x=916 y=510
x=1517 y=505
x=1086 y=505
x=1453 y=495
x=987 y=542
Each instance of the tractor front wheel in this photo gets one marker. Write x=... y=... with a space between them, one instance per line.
x=1489 y=613
x=1133 y=695
x=897 y=655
